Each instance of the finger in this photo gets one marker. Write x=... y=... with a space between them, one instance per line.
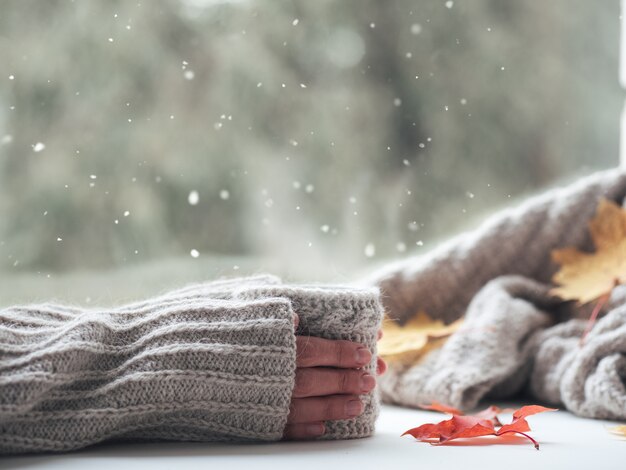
x=303 y=431
x=381 y=366
x=380 y=335
x=314 y=352
x=320 y=381
x=307 y=410
x=296 y=321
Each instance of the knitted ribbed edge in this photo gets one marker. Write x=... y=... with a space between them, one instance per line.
x=336 y=312
x=185 y=365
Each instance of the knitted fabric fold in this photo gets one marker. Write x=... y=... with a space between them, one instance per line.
x=209 y=362
x=515 y=335
x=513 y=241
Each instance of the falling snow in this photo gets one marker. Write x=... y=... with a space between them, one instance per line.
x=287 y=95
x=193 y=198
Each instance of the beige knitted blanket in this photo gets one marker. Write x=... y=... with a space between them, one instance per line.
x=515 y=337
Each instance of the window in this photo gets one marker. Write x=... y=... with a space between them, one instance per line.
x=147 y=144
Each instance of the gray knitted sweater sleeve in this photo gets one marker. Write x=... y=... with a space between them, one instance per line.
x=209 y=362
x=189 y=365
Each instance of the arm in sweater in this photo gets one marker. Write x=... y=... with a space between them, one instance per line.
x=209 y=362
x=185 y=366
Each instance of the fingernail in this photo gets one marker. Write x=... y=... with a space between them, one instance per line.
x=354 y=408
x=315 y=429
x=367 y=383
x=363 y=356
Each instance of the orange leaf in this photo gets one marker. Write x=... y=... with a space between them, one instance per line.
x=432 y=431
x=481 y=424
x=453 y=428
x=436 y=406
x=491 y=412
x=530 y=410
x=518 y=425
x=469 y=426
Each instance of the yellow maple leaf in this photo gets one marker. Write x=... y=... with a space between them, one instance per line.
x=587 y=276
x=619 y=430
x=408 y=344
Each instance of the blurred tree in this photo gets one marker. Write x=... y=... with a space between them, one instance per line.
x=338 y=130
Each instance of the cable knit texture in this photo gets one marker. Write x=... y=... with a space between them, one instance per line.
x=336 y=313
x=209 y=362
x=515 y=335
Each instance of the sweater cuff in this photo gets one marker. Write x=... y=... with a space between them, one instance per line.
x=335 y=312
x=184 y=368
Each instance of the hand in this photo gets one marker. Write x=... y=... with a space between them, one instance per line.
x=328 y=384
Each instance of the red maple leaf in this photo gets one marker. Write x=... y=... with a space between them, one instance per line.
x=483 y=423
